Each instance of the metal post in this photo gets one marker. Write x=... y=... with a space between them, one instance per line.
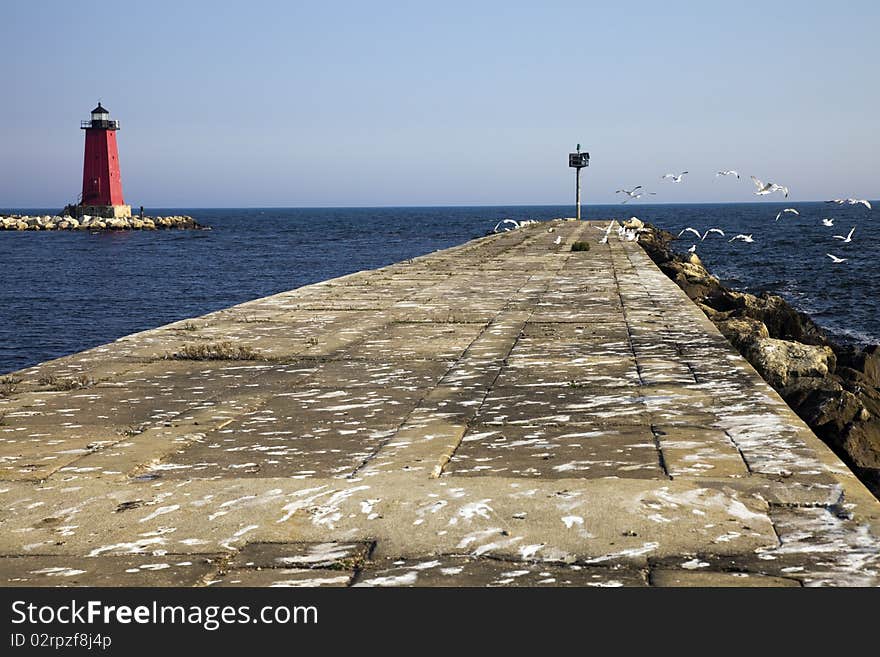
x=578 y=160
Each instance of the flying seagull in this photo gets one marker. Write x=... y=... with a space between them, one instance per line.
x=634 y=193
x=744 y=238
x=787 y=210
x=675 y=179
x=851 y=201
x=768 y=188
x=729 y=172
x=828 y=222
x=640 y=194
x=703 y=235
x=835 y=259
x=848 y=238
x=515 y=224
x=628 y=192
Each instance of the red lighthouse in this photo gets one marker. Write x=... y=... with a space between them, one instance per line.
x=102 y=183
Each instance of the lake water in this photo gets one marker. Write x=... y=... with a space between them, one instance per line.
x=62 y=292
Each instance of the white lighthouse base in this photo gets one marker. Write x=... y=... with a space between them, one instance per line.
x=105 y=211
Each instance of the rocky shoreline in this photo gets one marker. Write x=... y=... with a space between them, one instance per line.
x=832 y=387
x=47 y=222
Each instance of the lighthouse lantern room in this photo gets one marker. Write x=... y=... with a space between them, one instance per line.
x=102 y=183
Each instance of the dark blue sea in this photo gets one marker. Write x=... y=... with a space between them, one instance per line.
x=62 y=292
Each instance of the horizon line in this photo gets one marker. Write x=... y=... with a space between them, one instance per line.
x=451 y=205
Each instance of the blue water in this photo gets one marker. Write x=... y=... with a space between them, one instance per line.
x=61 y=292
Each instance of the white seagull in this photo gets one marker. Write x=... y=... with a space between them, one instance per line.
x=628 y=192
x=634 y=193
x=515 y=224
x=729 y=172
x=851 y=201
x=712 y=230
x=693 y=248
x=703 y=235
x=640 y=195
x=828 y=222
x=558 y=239
x=744 y=238
x=848 y=238
x=675 y=179
x=785 y=211
x=768 y=188
x=607 y=231
x=835 y=259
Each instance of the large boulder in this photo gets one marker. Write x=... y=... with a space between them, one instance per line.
x=782 y=361
x=692 y=277
x=865 y=361
x=823 y=403
x=711 y=313
x=862 y=444
x=853 y=380
x=658 y=245
x=742 y=331
x=780 y=318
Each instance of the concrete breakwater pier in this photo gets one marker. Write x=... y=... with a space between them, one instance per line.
x=505 y=412
x=48 y=222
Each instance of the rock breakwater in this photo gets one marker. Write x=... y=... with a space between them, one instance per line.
x=834 y=388
x=66 y=222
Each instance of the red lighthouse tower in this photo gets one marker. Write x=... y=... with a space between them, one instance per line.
x=102 y=183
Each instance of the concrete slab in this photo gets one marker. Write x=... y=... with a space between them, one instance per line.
x=707 y=579
x=135 y=570
x=335 y=555
x=281 y=577
x=463 y=571
x=557 y=452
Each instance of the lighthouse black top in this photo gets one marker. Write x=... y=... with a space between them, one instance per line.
x=100 y=119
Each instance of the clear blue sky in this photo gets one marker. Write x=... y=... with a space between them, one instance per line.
x=434 y=103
